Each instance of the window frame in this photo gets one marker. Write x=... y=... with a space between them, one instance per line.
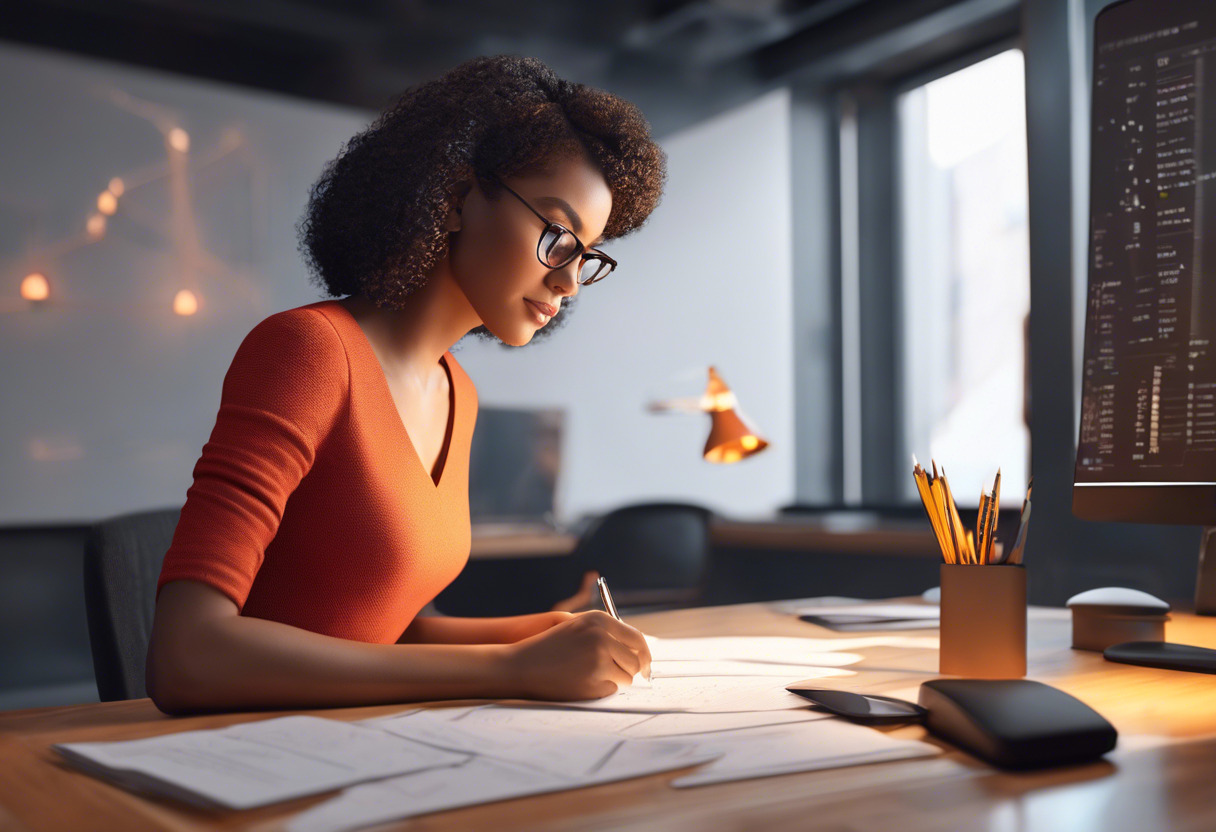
x=870 y=277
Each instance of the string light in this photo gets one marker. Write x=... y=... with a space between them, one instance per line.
x=185 y=303
x=117 y=186
x=35 y=287
x=179 y=140
x=107 y=203
x=96 y=226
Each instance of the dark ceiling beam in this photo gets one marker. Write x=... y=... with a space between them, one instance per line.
x=733 y=31
x=873 y=39
x=689 y=59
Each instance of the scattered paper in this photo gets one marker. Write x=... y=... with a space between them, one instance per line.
x=807 y=746
x=710 y=694
x=891 y=612
x=568 y=756
x=861 y=617
x=256 y=763
x=483 y=780
x=772 y=649
x=674 y=725
x=680 y=667
x=550 y=719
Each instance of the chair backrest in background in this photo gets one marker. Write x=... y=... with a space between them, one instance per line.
x=649 y=552
x=122 y=562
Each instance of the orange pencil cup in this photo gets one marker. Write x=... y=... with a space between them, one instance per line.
x=983 y=621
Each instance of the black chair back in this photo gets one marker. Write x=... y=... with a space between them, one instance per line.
x=122 y=561
x=651 y=554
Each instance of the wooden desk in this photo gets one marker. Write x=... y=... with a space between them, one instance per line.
x=902 y=538
x=1162 y=775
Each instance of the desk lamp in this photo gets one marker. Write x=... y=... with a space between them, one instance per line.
x=732 y=436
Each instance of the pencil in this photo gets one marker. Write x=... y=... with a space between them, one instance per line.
x=935 y=517
x=965 y=546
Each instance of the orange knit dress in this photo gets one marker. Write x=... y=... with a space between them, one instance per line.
x=310 y=505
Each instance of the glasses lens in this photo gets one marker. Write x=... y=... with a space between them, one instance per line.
x=593 y=269
x=557 y=246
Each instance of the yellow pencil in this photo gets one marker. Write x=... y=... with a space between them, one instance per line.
x=926 y=497
x=966 y=549
x=996 y=512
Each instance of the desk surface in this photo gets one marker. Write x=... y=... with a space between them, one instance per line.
x=1161 y=776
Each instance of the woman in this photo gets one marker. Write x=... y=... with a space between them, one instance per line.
x=330 y=504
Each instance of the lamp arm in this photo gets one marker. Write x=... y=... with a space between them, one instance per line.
x=688 y=404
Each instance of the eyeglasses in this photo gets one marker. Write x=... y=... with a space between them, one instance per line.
x=558 y=247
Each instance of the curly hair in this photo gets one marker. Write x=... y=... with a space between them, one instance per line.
x=375 y=219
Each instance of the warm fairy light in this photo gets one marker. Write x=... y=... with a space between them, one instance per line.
x=54 y=449
x=96 y=225
x=749 y=443
x=35 y=287
x=107 y=203
x=116 y=186
x=179 y=139
x=185 y=303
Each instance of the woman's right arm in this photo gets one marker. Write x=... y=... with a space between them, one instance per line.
x=204 y=656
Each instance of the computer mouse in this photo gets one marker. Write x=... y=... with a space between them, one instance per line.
x=1118 y=600
x=1015 y=723
x=932 y=595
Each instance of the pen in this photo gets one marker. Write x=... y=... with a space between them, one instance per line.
x=606 y=597
x=610 y=607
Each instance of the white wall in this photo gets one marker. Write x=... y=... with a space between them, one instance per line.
x=706 y=281
x=106 y=397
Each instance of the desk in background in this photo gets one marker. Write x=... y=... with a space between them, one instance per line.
x=1161 y=776
x=515 y=572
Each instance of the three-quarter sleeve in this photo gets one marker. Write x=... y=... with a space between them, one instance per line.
x=284 y=393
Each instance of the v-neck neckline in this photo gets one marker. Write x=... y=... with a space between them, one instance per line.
x=445 y=450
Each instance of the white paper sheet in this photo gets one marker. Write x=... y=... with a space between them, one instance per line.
x=551 y=719
x=560 y=720
x=256 y=763
x=571 y=755
x=871 y=617
x=482 y=780
x=679 y=667
x=773 y=649
x=710 y=694
x=676 y=725
x=807 y=746
x=889 y=611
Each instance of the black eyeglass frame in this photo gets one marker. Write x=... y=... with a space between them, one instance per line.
x=580 y=252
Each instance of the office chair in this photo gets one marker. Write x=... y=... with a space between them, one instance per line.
x=653 y=555
x=122 y=561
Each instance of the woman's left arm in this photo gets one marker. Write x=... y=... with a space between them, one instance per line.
x=445 y=630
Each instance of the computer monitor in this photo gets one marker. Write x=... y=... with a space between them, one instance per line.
x=515 y=465
x=1147 y=445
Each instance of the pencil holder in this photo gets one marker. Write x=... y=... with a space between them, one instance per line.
x=983 y=621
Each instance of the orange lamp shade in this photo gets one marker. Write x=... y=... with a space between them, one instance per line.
x=732 y=437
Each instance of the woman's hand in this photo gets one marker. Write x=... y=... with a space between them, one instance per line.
x=587 y=656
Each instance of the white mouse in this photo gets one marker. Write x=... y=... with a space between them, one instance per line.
x=1117 y=599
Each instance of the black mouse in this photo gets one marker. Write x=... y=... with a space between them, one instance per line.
x=1015 y=723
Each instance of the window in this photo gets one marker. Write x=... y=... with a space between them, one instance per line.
x=965 y=275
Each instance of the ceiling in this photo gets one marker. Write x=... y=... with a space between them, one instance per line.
x=679 y=60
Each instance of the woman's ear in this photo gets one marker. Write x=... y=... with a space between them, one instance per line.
x=459 y=192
